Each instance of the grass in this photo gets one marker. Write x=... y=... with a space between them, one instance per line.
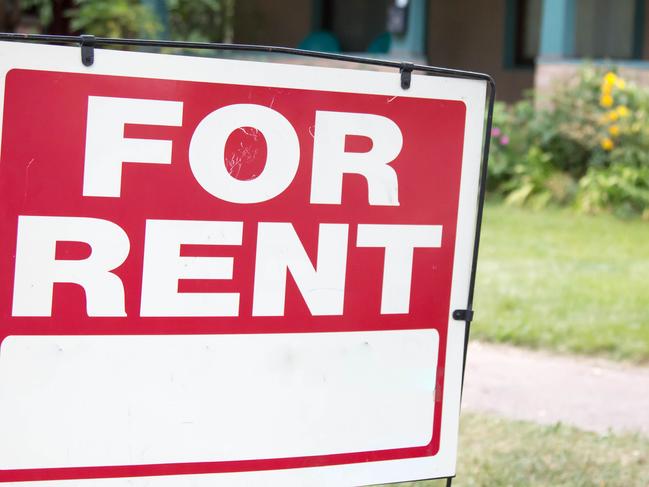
x=552 y=279
x=497 y=452
x=571 y=283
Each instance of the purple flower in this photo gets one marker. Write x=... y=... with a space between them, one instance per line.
x=495 y=132
x=504 y=140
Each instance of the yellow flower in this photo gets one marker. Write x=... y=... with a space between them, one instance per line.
x=606 y=89
x=623 y=111
x=610 y=78
x=614 y=130
x=620 y=84
x=606 y=101
x=606 y=143
x=613 y=116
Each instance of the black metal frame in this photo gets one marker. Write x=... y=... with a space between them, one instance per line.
x=88 y=43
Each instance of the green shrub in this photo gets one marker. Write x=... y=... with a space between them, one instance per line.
x=510 y=141
x=587 y=144
x=536 y=182
x=619 y=188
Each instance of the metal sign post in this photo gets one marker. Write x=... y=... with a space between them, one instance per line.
x=230 y=271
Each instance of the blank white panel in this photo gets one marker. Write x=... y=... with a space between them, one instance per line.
x=70 y=401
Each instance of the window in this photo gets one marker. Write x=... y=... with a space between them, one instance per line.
x=605 y=29
x=523 y=30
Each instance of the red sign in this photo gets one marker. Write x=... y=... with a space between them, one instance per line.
x=242 y=237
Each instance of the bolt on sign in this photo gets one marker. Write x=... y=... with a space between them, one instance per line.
x=219 y=272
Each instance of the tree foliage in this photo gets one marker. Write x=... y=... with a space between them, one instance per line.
x=116 y=18
x=191 y=20
x=201 y=20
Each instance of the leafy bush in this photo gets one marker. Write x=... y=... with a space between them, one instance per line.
x=587 y=144
x=619 y=188
x=509 y=141
x=537 y=183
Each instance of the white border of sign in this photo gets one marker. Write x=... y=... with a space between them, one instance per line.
x=471 y=92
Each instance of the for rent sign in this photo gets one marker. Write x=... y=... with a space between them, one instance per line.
x=238 y=271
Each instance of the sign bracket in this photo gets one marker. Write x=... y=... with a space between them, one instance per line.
x=406 y=75
x=87 y=45
x=463 y=315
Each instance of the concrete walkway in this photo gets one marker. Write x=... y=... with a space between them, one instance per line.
x=591 y=394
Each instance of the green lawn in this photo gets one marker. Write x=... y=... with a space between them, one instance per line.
x=566 y=282
x=496 y=452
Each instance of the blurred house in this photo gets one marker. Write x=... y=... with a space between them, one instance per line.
x=522 y=43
